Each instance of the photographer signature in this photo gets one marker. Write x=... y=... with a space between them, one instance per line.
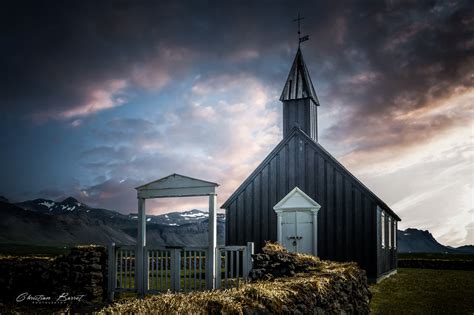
x=47 y=299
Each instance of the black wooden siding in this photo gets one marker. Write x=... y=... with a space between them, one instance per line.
x=347 y=220
x=301 y=113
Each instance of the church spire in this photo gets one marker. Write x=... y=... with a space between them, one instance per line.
x=298 y=84
x=300 y=103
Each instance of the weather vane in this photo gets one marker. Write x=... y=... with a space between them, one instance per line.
x=304 y=38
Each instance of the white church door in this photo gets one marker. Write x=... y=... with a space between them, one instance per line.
x=297 y=222
x=297 y=231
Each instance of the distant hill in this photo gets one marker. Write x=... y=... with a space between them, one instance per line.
x=419 y=241
x=469 y=249
x=43 y=221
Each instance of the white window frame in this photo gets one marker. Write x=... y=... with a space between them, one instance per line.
x=390 y=232
x=382 y=228
x=395 y=234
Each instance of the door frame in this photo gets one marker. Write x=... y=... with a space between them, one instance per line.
x=297 y=200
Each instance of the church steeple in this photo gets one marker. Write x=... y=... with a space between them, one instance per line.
x=299 y=100
x=299 y=84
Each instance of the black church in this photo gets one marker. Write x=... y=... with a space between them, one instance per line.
x=302 y=197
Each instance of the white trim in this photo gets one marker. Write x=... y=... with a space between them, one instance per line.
x=390 y=232
x=297 y=200
x=382 y=229
x=176 y=185
x=285 y=204
x=395 y=234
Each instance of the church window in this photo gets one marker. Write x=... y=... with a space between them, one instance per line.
x=394 y=234
x=390 y=227
x=382 y=228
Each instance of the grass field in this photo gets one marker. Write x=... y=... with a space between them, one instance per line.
x=28 y=250
x=436 y=256
x=425 y=291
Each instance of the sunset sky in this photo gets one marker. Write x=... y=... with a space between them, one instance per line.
x=98 y=97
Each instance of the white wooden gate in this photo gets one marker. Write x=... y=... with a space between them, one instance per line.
x=177 y=268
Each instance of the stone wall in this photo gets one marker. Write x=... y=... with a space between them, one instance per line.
x=80 y=276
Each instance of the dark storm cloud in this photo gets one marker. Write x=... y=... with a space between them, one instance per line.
x=111 y=194
x=401 y=59
x=57 y=54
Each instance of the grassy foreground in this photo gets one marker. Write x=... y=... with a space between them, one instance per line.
x=425 y=291
x=436 y=256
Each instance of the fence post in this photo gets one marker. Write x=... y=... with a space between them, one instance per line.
x=111 y=272
x=146 y=266
x=218 y=268
x=248 y=261
x=212 y=240
x=140 y=253
x=175 y=269
x=245 y=265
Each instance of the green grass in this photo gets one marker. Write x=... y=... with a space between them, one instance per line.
x=425 y=291
x=163 y=284
x=436 y=256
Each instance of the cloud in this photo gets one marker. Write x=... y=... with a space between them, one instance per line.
x=100 y=98
x=403 y=139
x=107 y=95
x=430 y=188
x=111 y=194
x=225 y=129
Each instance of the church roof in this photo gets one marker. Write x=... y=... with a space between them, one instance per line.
x=324 y=153
x=298 y=84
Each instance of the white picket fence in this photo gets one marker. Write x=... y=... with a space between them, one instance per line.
x=178 y=269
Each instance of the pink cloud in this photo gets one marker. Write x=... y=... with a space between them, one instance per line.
x=98 y=99
x=163 y=65
x=106 y=95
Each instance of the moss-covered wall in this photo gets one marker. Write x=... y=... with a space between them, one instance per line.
x=80 y=275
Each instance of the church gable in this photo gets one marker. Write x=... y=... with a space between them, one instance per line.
x=297 y=161
x=280 y=153
x=296 y=199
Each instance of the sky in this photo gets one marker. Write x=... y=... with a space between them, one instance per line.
x=98 y=97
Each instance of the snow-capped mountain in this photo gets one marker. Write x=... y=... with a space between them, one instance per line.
x=45 y=205
x=179 y=218
x=73 y=222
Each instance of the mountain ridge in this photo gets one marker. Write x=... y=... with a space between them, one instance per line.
x=71 y=221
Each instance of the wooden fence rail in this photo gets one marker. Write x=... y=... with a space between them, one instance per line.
x=177 y=268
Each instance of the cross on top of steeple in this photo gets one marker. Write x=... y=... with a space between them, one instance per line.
x=304 y=38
